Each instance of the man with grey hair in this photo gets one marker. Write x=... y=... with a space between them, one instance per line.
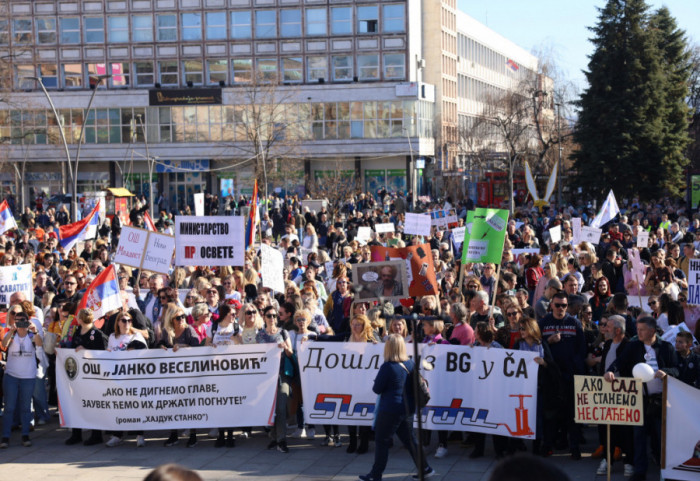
x=542 y=305
x=480 y=311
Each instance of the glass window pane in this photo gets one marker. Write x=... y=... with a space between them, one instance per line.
x=70 y=30
x=367 y=19
x=265 y=23
x=191 y=26
x=216 y=25
x=94 y=30
x=290 y=23
x=315 y=21
x=394 y=18
x=341 y=20
x=118 y=29
x=240 y=25
x=142 y=28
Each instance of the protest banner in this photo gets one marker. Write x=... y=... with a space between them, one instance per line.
x=272 y=268
x=422 y=280
x=642 y=239
x=364 y=234
x=209 y=241
x=15 y=279
x=438 y=218
x=146 y=250
x=384 y=228
x=555 y=234
x=201 y=387
x=471 y=388
x=680 y=455
x=694 y=281
x=487 y=236
x=199 y=204
x=590 y=234
x=602 y=402
x=576 y=230
x=387 y=280
x=417 y=224
x=458 y=235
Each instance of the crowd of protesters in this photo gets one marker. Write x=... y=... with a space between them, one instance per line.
x=576 y=306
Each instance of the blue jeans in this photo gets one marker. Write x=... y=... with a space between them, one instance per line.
x=41 y=399
x=386 y=425
x=18 y=397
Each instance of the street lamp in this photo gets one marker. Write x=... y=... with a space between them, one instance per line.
x=561 y=167
x=151 y=164
x=72 y=169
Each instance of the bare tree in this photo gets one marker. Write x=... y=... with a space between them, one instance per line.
x=336 y=188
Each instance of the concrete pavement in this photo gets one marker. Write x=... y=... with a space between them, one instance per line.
x=49 y=458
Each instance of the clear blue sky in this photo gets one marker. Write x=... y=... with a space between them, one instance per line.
x=560 y=26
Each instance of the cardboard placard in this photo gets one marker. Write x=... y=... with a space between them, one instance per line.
x=602 y=402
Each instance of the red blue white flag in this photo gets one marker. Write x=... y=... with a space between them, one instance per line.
x=512 y=65
x=102 y=295
x=7 y=221
x=71 y=234
x=253 y=219
x=149 y=222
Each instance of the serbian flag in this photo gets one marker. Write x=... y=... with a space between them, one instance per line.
x=149 y=222
x=512 y=65
x=103 y=294
x=253 y=219
x=7 y=221
x=72 y=233
x=93 y=225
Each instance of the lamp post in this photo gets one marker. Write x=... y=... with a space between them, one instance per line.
x=151 y=162
x=72 y=169
x=561 y=167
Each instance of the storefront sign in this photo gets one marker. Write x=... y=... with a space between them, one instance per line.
x=168 y=166
x=208 y=96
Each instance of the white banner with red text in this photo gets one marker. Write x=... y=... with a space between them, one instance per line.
x=476 y=389
x=198 y=387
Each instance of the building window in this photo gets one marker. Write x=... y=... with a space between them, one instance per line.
x=240 y=25
x=342 y=68
x=118 y=29
x=4 y=31
x=22 y=30
x=168 y=73
x=265 y=23
x=394 y=66
x=316 y=21
x=217 y=71
x=93 y=71
x=317 y=68
x=394 y=18
x=72 y=75
x=193 y=72
x=70 y=30
x=242 y=70
x=341 y=20
x=145 y=73
x=367 y=19
x=94 y=30
x=166 y=28
x=267 y=70
x=368 y=67
x=292 y=69
x=48 y=73
x=45 y=31
x=22 y=74
x=191 y=26
x=290 y=23
x=120 y=74
x=142 y=27
x=216 y=25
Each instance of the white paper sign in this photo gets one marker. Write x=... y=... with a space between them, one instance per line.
x=590 y=234
x=199 y=204
x=458 y=235
x=272 y=268
x=159 y=253
x=15 y=279
x=576 y=230
x=364 y=234
x=417 y=224
x=642 y=239
x=199 y=387
x=384 y=228
x=132 y=244
x=555 y=233
x=209 y=241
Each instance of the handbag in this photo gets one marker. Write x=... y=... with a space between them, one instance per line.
x=423 y=389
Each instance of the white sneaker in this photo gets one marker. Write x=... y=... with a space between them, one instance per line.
x=311 y=433
x=299 y=433
x=140 y=442
x=629 y=470
x=113 y=441
x=441 y=452
x=602 y=468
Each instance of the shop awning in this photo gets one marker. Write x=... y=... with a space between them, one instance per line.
x=119 y=192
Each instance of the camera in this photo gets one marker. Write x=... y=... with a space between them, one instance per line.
x=22 y=323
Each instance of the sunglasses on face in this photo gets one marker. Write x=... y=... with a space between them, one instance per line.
x=250 y=313
x=512 y=314
x=271 y=316
x=560 y=305
x=180 y=317
x=652 y=303
x=70 y=283
x=124 y=320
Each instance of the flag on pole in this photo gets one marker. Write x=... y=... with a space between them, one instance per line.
x=607 y=213
x=102 y=295
x=253 y=218
x=70 y=234
x=149 y=222
x=93 y=225
x=7 y=220
x=512 y=65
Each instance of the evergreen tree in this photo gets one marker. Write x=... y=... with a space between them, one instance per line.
x=623 y=128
